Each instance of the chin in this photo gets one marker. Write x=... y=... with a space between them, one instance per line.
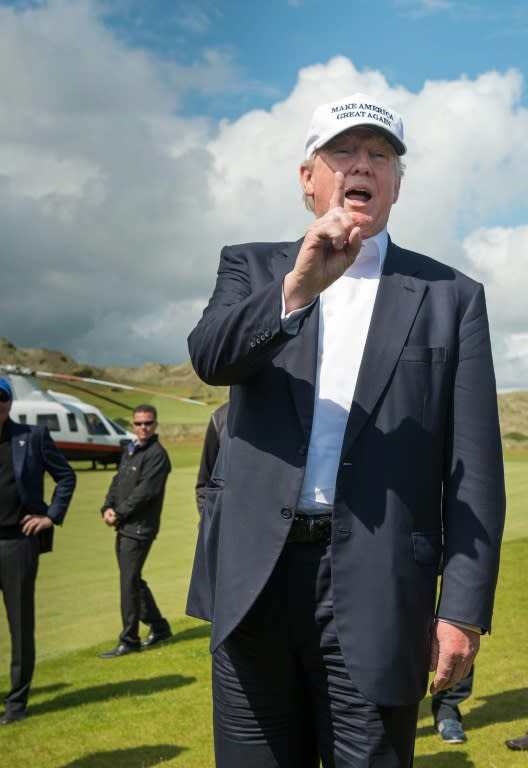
x=364 y=223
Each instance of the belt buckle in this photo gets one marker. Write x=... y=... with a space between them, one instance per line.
x=321 y=528
x=310 y=529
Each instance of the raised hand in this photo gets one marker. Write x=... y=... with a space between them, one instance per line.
x=330 y=246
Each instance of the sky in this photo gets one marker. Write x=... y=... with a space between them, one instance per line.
x=137 y=138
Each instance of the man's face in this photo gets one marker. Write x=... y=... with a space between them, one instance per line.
x=368 y=163
x=5 y=407
x=144 y=425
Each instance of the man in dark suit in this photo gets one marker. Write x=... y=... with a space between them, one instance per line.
x=26 y=528
x=133 y=508
x=362 y=446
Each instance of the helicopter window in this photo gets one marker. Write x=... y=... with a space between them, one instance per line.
x=49 y=420
x=22 y=418
x=118 y=429
x=95 y=425
x=72 y=422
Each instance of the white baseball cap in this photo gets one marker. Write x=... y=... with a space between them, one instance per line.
x=358 y=110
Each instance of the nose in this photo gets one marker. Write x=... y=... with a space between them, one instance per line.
x=360 y=162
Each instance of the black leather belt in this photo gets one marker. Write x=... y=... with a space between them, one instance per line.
x=307 y=529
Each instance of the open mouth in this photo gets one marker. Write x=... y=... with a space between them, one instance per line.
x=358 y=194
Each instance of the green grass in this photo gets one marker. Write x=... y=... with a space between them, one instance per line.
x=154 y=708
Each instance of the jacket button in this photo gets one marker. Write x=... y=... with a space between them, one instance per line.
x=286 y=513
x=252 y=343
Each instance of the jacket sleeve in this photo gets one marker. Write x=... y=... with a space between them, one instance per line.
x=474 y=494
x=210 y=449
x=240 y=329
x=111 y=496
x=63 y=475
x=151 y=485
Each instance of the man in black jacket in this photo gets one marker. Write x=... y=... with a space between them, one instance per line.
x=133 y=507
x=26 y=530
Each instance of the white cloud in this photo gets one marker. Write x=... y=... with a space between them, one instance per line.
x=499 y=257
x=113 y=207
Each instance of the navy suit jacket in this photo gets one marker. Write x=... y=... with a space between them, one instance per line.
x=34 y=453
x=420 y=480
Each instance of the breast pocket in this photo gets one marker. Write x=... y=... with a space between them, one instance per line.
x=420 y=381
x=425 y=355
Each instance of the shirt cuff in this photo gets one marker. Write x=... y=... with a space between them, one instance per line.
x=462 y=625
x=291 y=321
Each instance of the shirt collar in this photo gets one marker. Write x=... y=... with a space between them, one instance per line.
x=371 y=258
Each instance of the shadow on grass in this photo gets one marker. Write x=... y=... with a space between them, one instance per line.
x=504 y=707
x=52 y=688
x=105 y=693
x=136 y=757
x=443 y=760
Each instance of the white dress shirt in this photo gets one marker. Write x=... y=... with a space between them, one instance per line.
x=344 y=319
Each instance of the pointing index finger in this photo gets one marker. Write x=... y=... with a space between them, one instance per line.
x=338 y=197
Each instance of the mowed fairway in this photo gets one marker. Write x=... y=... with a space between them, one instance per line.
x=154 y=708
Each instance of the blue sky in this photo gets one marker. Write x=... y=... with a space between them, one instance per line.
x=137 y=137
x=267 y=42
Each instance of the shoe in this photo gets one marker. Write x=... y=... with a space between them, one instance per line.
x=519 y=744
x=13 y=717
x=451 y=731
x=120 y=650
x=156 y=637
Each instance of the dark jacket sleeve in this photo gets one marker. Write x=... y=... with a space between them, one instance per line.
x=240 y=330
x=474 y=496
x=111 y=495
x=63 y=475
x=210 y=450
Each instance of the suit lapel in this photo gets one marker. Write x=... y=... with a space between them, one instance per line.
x=397 y=302
x=300 y=353
x=19 y=447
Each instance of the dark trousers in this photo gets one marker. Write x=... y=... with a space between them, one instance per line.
x=137 y=601
x=282 y=697
x=444 y=704
x=18 y=572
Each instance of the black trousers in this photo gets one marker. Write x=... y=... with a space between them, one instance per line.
x=18 y=572
x=444 y=704
x=282 y=697
x=137 y=601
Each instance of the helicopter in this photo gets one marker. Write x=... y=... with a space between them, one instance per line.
x=80 y=431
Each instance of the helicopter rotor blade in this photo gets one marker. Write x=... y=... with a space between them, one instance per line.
x=114 y=384
x=100 y=382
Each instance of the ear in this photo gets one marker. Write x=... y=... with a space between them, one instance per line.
x=306 y=177
x=396 y=194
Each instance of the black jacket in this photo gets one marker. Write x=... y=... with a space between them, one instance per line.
x=137 y=490
x=210 y=449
